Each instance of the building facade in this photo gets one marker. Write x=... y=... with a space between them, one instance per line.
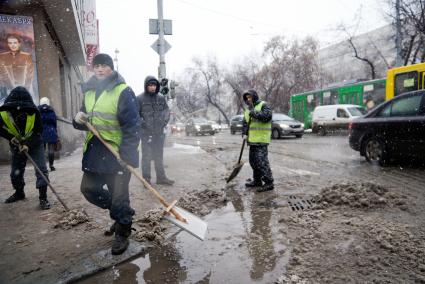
x=57 y=48
x=339 y=63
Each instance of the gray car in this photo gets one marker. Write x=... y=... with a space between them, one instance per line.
x=283 y=125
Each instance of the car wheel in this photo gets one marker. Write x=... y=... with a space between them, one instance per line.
x=298 y=135
x=232 y=132
x=375 y=152
x=275 y=133
x=212 y=133
x=321 y=131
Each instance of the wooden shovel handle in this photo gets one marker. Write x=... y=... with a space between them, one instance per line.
x=136 y=173
x=243 y=145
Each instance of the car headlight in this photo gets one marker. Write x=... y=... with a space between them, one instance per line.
x=197 y=127
x=302 y=125
x=284 y=126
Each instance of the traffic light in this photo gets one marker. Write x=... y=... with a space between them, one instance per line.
x=164 y=86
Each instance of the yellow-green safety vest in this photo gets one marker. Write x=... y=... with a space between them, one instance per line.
x=258 y=132
x=103 y=115
x=9 y=125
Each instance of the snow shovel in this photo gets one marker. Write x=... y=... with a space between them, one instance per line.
x=180 y=217
x=46 y=180
x=237 y=168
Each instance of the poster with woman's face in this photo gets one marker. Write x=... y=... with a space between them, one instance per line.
x=17 y=55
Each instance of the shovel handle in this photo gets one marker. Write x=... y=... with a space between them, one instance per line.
x=136 y=173
x=243 y=145
x=46 y=180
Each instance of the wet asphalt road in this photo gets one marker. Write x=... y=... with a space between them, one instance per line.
x=245 y=243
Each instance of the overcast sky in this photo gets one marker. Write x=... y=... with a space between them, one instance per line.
x=227 y=29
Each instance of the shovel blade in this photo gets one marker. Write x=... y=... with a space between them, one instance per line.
x=235 y=172
x=195 y=226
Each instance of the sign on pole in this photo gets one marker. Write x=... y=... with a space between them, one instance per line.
x=155 y=46
x=154 y=27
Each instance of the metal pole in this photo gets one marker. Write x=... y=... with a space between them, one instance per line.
x=116 y=57
x=161 y=69
x=398 y=59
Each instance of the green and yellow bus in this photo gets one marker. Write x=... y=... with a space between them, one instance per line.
x=364 y=93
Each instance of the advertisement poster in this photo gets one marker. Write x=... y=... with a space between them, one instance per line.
x=91 y=37
x=17 y=55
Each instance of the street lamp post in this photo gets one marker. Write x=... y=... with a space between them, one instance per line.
x=116 y=57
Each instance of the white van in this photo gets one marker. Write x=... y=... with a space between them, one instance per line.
x=334 y=117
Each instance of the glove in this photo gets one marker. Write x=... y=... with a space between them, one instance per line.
x=81 y=118
x=244 y=137
x=15 y=141
x=23 y=148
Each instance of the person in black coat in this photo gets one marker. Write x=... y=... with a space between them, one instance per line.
x=21 y=125
x=105 y=181
x=155 y=114
x=50 y=132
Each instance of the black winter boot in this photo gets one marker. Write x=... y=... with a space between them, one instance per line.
x=44 y=203
x=111 y=230
x=18 y=195
x=253 y=183
x=266 y=187
x=122 y=232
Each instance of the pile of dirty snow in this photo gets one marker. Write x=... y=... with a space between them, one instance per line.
x=359 y=195
x=72 y=218
x=149 y=227
x=202 y=202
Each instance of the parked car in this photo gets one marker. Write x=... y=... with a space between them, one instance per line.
x=198 y=126
x=176 y=128
x=236 y=124
x=216 y=127
x=283 y=125
x=394 y=129
x=334 y=117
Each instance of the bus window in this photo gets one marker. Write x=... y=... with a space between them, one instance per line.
x=334 y=98
x=373 y=95
x=326 y=98
x=405 y=82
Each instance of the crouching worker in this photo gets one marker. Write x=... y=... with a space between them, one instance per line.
x=20 y=123
x=258 y=126
x=110 y=106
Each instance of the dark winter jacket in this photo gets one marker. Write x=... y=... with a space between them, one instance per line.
x=97 y=158
x=48 y=116
x=154 y=111
x=19 y=103
x=265 y=115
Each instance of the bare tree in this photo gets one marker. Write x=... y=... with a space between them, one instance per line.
x=213 y=81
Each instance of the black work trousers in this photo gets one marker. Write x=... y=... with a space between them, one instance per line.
x=19 y=161
x=259 y=161
x=109 y=191
x=153 y=149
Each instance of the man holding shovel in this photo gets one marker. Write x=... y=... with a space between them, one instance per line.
x=257 y=127
x=111 y=107
x=20 y=123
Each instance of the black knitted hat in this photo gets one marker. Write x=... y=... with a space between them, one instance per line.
x=103 y=58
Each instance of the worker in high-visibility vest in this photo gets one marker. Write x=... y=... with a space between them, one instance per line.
x=21 y=125
x=257 y=129
x=110 y=105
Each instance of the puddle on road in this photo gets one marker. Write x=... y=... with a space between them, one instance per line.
x=242 y=246
x=188 y=149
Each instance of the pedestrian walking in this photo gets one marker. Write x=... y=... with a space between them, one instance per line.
x=50 y=132
x=155 y=114
x=110 y=105
x=21 y=125
x=257 y=128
